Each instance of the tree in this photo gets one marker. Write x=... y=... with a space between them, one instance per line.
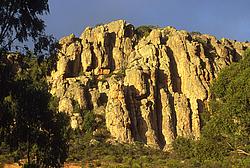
x=229 y=122
x=20 y=19
x=30 y=124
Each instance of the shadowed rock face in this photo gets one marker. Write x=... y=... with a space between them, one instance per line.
x=151 y=89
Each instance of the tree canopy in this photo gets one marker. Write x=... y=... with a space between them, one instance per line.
x=230 y=105
x=29 y=123
x=21 y=20
x=30 y=126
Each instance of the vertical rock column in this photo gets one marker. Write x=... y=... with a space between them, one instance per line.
x=117 y=115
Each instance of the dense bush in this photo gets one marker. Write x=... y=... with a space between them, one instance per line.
x=30 y=124
x=184 y=147
x=143 y=31
x=230 y=106
x=89 y=123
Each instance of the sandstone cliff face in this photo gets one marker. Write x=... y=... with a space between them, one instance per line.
x=151 y=89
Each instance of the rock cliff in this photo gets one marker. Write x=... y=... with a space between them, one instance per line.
x=150 y=89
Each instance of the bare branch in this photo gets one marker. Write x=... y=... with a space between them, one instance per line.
x=240 y=151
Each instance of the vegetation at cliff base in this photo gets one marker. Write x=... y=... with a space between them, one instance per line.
x=225 y=140
x=32 y=128
x=229 y=122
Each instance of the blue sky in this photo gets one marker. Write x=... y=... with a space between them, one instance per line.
x=222 y=18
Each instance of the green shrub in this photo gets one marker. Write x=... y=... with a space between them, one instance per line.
x=174 y=163
x=136 y=164
x=230 y=112
x=89 y=123
x=207 y=149
x=76 y=107
x=184 y=147
x=144 y=31
x=202 y=41
x=31 y=165
x=227 y=126
x=195 y=33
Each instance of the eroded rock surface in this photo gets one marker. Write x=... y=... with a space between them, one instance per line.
x=151 y=89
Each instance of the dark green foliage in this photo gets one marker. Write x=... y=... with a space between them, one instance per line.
x=20 y=19
x=203 y=153
x=202 y=41
x=30 y=124
x=225 y=135
x=195 y=33
x=52 y=59
x=230 y=107
x=143 y=31
x=226 y=131
x=93 y=150
x=31 y=165
x=209 y=149
x=116 y=155
x=80 y=138
x=76 y=107
x=183 y=147
x=89 y=123
x=92 y=83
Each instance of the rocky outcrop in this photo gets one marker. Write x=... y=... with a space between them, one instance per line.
x=151 y=89
x=116 y=114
